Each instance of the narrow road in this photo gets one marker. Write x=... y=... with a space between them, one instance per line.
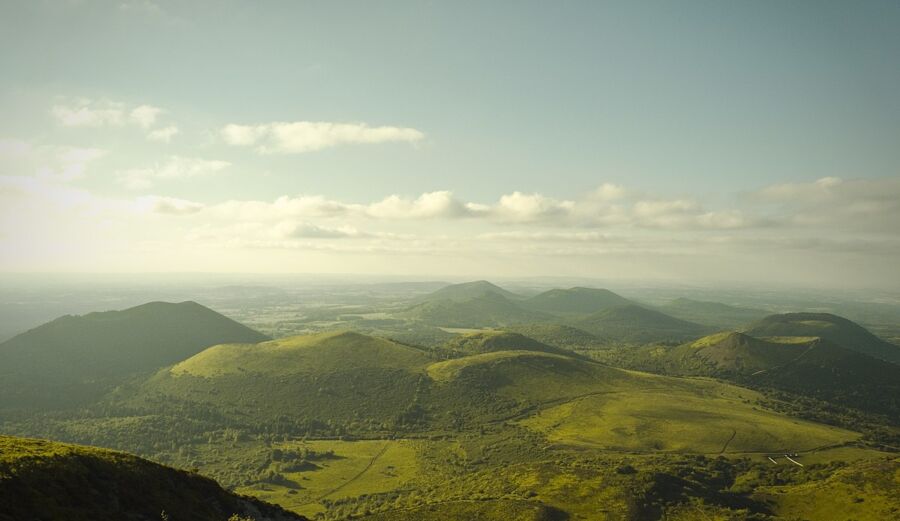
x=358 y=475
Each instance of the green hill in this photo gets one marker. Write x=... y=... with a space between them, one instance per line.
x=333 y=378
x=575 y=301
x=41 y=479
x=839 y=330
x=76 y=358
x=810 y=367
x=737 y=353
x=713 y=314
x=637 y=325
x=486 y=310
x=558 y=335
x=346 y=425
x=467 y=291
x=302 y=355
x=491 y=341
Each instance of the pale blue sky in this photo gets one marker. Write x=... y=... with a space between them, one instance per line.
x=712 y=102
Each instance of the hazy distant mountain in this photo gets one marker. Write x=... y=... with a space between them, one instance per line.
x=638 y=325
x=468 y=291
x=40 y=479
x=484 y=310
x=76 y=357
x=711 y=313
x=575 y=301
x=839 y=330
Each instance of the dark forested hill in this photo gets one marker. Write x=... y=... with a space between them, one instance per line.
x=839 y=330
x=41 y=479
x=74 y=358
x=486 y=310
x=637 y=325
x=575 y=301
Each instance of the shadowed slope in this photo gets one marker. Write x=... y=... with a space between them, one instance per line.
x=41 y=479
x=638 y=325
x=576 y=301
x=74 y=358
x=839 y=330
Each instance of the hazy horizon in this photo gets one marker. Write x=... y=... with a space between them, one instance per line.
x=743 y=143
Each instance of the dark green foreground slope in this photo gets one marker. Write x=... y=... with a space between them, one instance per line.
x=43 y=480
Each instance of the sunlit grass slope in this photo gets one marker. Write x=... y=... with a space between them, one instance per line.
x=707 y=418
x=497 y=340
x=866 y=491
x=303 y=355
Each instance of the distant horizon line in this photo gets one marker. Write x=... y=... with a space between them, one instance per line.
x=450 y=279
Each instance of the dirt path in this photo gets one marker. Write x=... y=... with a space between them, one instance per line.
x=359 y=474
x=733 y=434
x=789 y=362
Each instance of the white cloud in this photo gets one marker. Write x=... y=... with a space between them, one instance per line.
x=63 y=163
x=304 y=230
x=103 y=113
x=608 y=192
x=309 y=136
x=86 y=113
x=527 y=236
x=175 y=167
x=168 y=205
x=509 y=209
x=427 y=205
x=145 y=115
x=164 y=134
x=531 y=207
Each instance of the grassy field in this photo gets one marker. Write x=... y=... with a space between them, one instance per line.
x=355 y=469
x=681 y=421
x=863 y=492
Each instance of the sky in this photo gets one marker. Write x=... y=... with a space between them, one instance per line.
x=752 y=142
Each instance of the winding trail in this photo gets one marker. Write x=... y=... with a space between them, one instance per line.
x=359 y=474
x=733 y=434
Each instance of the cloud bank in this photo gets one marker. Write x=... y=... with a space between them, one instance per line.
x=308 y=136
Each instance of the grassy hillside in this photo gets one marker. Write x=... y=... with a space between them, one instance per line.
x=485 y=310
x=312 y=380
x=40 y=479
x=495 y=340
x=705 y=418
x=468 y=291
x=713 y=314
x=733 y=352
x=75 y=358
x=346 y=426
x=302 y=355
x=559 y=335
x=839 y=330
x=807 y=366
x=576 y=301
x=637 y=325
